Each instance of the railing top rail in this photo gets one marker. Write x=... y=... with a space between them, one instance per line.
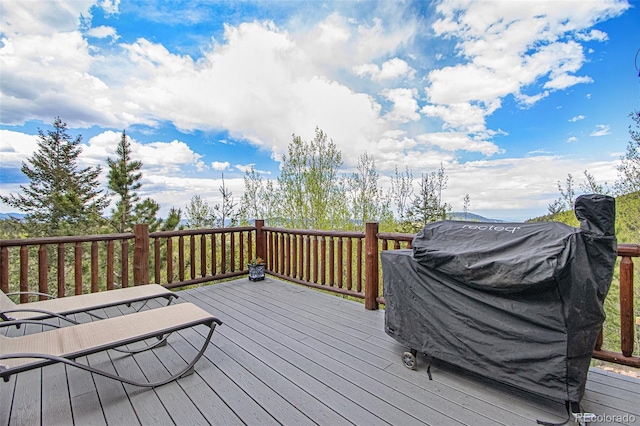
x=631 y=250
x=395 y=236
x=200 y=231
x=346 y=234
x=16 y=242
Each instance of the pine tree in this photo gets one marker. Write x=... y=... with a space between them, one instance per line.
x=427 y=206
x=60 y=199
x=124 y=180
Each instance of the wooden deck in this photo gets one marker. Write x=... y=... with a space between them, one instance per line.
x=293 y=356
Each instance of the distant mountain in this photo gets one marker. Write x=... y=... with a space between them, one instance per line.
x=10 y=215
x=472 y=217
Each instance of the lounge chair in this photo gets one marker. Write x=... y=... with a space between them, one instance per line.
x=64 y=345
x=64 y=306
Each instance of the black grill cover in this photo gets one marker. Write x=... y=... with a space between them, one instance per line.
x=521 y=303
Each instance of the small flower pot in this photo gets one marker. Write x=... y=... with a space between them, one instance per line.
x=256 y=272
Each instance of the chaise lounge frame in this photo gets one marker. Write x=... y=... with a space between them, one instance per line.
x=85 y=303
x=64 y=345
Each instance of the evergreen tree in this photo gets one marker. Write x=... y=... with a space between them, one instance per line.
x=145 y=212
x=227 y=209
x=60 y=199
x=173 y=220
x=199 y=213
x=427 y=206
x=124 y=180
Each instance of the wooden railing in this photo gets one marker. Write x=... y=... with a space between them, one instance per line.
x=345 y=263
x=172 y=258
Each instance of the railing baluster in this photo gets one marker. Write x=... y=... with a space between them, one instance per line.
x=315 y=258
x=77 y=261
x=4 y=269
x=61 y=274
x=323 y=259
x=626 y=306
x=169 y=260
x=214 y=254
x=359 y=265
x=156 y=259
x=241 y=251
x=349 y=263
x=294 y=256
x=124 y=261
x=223 y=252
x=110 y=260
x=192 y=256
x=203 y=255
x=94 y=267
x=24 y=273
x=232 y=247
x=43 y=271
x=331 y=263
x=181 y=258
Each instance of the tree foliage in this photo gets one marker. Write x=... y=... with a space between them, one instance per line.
x=427 y=206
x=401 y=194
x=311 y=193
x=259 y=200
x=226 y=210
x=199 y=214
x=368 y=202
x=60 y=199
x=629 y=168
x=124 y=180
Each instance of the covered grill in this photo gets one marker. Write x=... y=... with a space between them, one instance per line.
x=521 y=303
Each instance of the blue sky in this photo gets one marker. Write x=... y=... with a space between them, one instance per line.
x=509 y=96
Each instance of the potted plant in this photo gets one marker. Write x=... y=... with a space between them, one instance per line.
x=256 y=269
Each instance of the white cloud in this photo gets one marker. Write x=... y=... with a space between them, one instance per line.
x=509 y=46
x=15 y=147
x=220 y=166
x=572 y=139
x=157 y=157
x=405 y=107
x=601 y=130
x=393 y=68
x=454 y=141
x=261 y=72
x=577 y=118
x=43 y=17
x=103 y=32
x=592 y=34
x=109 y=6
x=262 y=82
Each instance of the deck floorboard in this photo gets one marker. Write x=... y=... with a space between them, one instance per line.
x=287 y=355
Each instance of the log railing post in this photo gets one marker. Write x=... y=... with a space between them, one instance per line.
x=371 y=266
x=141 y=254
x=626 y=306
x=261 y=242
